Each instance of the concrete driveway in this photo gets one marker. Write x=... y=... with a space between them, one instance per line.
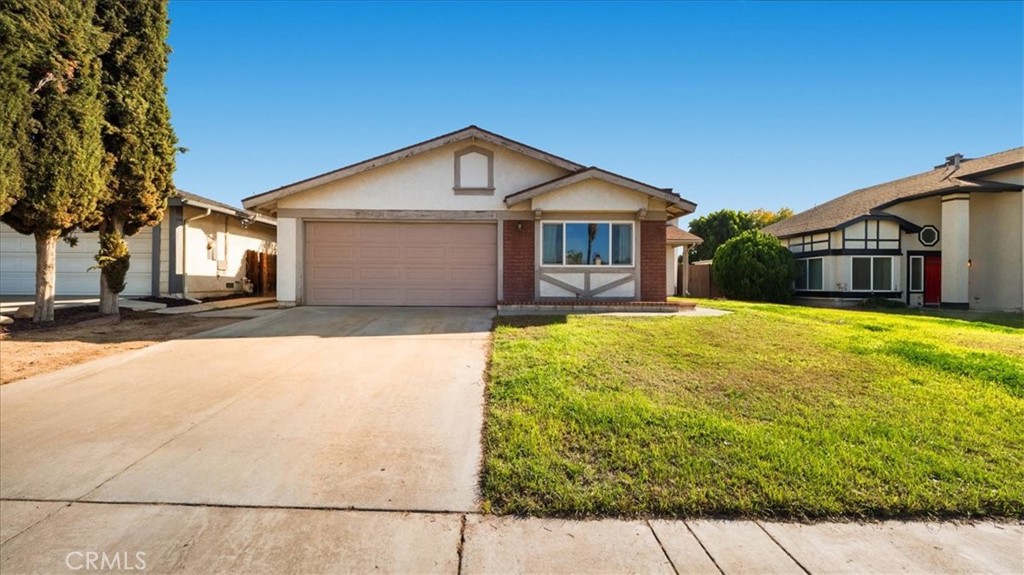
x=310 y=408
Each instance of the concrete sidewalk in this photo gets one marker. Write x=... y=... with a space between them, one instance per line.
x=55 y=537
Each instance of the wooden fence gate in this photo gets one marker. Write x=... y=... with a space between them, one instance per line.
x=261 y=271
x=702 y=283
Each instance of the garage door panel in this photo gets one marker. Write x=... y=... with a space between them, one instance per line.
x=334 y=253
x=373 y=274
x=379 y=233
x=334 y=274
x=475 y=297
x=425 y=274
x=425 y=297
x=476 y=276
x=380 y=253
x=424 y=253
x=392 y=263
x=426 y=234
x=379 y=296
x=73 y=273
x=470 y=254
x=318 y=293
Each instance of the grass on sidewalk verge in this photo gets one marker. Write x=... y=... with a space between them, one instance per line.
x=771 y=411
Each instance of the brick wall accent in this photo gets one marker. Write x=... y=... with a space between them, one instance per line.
x=652 y=261
x=518 y=259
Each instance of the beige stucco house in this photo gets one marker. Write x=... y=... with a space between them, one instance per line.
x=470 y=218
x=948 y=237
x=206 y=240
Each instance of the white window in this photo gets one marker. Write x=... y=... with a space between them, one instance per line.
x=810 y=274
x=871 y=274
x=917 y=273
x=587 y=243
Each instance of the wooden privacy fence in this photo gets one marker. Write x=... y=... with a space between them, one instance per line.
x=261 y=271
x=702 y=283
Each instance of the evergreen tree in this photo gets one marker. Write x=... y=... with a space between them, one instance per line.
x=717 y=228
x=16 y=45
x=138 y=136
x=58 y=160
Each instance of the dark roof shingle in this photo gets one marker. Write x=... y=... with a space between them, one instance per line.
x=857 y=203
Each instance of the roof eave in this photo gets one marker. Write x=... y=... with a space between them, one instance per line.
x=683 y=207
x=470 y=132
x=240 y=214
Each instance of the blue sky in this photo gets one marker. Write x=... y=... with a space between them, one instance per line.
x=738 y=105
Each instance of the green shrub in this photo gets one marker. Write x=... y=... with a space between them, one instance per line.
x=754 y=266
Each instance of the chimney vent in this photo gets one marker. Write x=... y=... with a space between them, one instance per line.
x=954 y=161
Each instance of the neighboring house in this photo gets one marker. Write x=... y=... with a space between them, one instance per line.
x=948 y=237
x=470 y=218
x=218 y=236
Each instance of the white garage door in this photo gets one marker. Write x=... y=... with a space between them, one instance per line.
x=401 y=264
x=18 y=264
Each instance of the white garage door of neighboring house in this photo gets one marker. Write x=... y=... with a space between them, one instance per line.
x=18 y=264
x=401 y=264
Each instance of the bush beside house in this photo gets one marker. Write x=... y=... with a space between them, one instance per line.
x=754 y=266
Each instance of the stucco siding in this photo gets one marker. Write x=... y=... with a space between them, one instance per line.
x=923 y=212
x=996 y=251
x=1012 y=176
x=592 y=195
x=216 y=247
x=426 y=182
x=288 y=260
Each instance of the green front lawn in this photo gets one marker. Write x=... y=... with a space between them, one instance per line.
x=772 y=411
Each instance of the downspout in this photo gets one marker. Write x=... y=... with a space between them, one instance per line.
x=184 y=250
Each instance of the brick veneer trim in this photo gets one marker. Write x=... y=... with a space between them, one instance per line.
x=518 y=254
x=652 y=261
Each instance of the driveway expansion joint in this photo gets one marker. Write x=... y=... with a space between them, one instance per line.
x=462 y=542
x=784 y=550
x=704 y=547
x=671 y=563
x=248 y=506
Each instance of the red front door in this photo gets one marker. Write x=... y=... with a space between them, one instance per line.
x=932 y=280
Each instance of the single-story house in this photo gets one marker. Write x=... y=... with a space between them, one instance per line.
x=471 y=218
x=949 y=237
x=205 y=239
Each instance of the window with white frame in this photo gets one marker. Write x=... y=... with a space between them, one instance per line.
x=809 y=275
x=871 y=273
x=587 y=243
x=917 y=273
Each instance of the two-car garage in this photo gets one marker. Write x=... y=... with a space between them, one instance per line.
x=400 y=263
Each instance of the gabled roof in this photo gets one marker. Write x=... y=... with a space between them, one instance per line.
x=467 y=133
x=181 y=197
x=866 y=201
x=677 y=237
x=594 y=173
